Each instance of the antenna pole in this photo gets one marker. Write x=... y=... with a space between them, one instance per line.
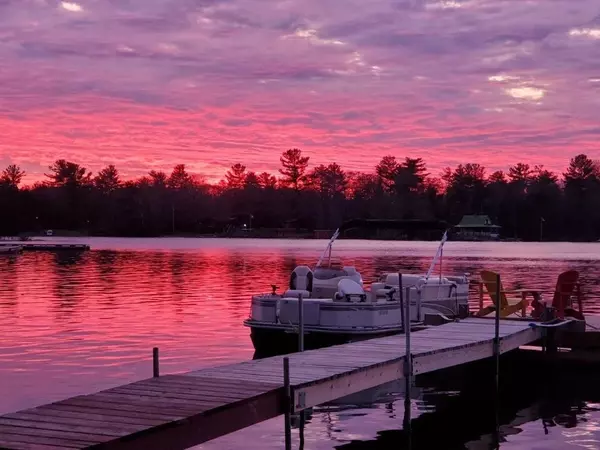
x=441 y=263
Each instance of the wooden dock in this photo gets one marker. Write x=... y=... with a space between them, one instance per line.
x=180 y=411
x=46 y=246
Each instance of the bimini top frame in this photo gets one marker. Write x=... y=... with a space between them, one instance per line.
x=409 y=225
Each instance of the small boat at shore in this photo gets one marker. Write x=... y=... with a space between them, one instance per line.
x=337 y=307
x=10 y=249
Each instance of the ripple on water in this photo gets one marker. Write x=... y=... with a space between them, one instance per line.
x=76 y=323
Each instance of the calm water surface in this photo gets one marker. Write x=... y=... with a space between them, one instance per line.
x=73 y=324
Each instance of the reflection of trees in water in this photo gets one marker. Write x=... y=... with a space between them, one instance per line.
x=9 y=283
x=109 y=267
x=69 y=281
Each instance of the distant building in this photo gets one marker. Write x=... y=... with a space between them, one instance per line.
x=476 y=228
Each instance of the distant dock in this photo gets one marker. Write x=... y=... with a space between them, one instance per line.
x=44 y=246
x=180 y=411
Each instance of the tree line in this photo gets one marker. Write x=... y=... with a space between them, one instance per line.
x=521 y=200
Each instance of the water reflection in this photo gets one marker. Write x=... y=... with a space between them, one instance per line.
x=73 y=323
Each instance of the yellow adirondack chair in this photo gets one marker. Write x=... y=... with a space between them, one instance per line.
x=507 y=307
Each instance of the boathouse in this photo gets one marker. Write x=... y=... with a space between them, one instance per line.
x=477 y=228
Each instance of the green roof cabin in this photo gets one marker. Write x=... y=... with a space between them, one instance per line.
x=476 y=228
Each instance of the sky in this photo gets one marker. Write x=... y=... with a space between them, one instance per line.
x=147 y=84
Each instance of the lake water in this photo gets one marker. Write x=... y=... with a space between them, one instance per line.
x=73 y=324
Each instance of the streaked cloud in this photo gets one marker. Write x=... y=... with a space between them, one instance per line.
x=586 y=32
x=146 y=84
x=311 y=35
x=526 y=93
x=444 y=4
x=71 y=6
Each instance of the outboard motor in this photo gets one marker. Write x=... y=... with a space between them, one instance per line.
x=301 y=279
x=350 y=291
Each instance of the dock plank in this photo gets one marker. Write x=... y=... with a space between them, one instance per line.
x=51 y=435
x=184 y=410
x=21 y=442
x=104 y=429
x=75 y=422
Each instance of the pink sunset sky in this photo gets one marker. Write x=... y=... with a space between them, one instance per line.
x=147 y=84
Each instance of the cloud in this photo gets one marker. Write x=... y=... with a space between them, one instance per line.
x=147 y=83
x=71 y=6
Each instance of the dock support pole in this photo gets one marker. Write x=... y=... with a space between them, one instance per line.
x=288 y=404
x=300 y=323
x=401 y=298
x=497 y=330
x=155 y=368
x=408 y=368
x=407 y=324
x=497 y=363
x=301 y=349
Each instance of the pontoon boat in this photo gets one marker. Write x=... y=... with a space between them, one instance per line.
x=339 y=308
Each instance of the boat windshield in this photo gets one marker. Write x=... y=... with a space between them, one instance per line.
x=328 y=273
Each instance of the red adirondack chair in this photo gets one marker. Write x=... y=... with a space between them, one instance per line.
x=561 y=302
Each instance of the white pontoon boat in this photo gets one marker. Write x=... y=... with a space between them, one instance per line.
x=339 y=308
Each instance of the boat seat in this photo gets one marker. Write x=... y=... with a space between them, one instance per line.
x=380 y=292
x=302 y=279
x=296 y=293
x=350 y=291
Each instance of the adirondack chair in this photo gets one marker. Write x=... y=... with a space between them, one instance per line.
x=561 y=301
x=507 y=307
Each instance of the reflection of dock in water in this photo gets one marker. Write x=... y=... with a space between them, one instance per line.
x=541 y=394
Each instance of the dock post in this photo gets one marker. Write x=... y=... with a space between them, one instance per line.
x=408 y=369
x=155 y=368
x=407 y=324
x=497 y=364
x=497 y=329
x=401 y=298
x=287 y=404
x=301 y=349
x=300 y=323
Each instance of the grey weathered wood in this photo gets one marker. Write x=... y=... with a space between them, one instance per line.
x=180 y=411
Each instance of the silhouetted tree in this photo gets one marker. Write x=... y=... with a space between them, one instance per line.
x=236 y=176
x=364 y=185
x=329 y=180
x=497 y=177
x=251 y=180
x=267 y=181
x=107 y=179
x=520 y=172
x=180 y=178
x=465 y=189
x=157 y=204
x=66 y=173
x=294 y=168
x=415 y=173
x=582 y=196
x=543 y=176
x=158 y=178
x=581 y=168
x=387 y=170
x=12 y=176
